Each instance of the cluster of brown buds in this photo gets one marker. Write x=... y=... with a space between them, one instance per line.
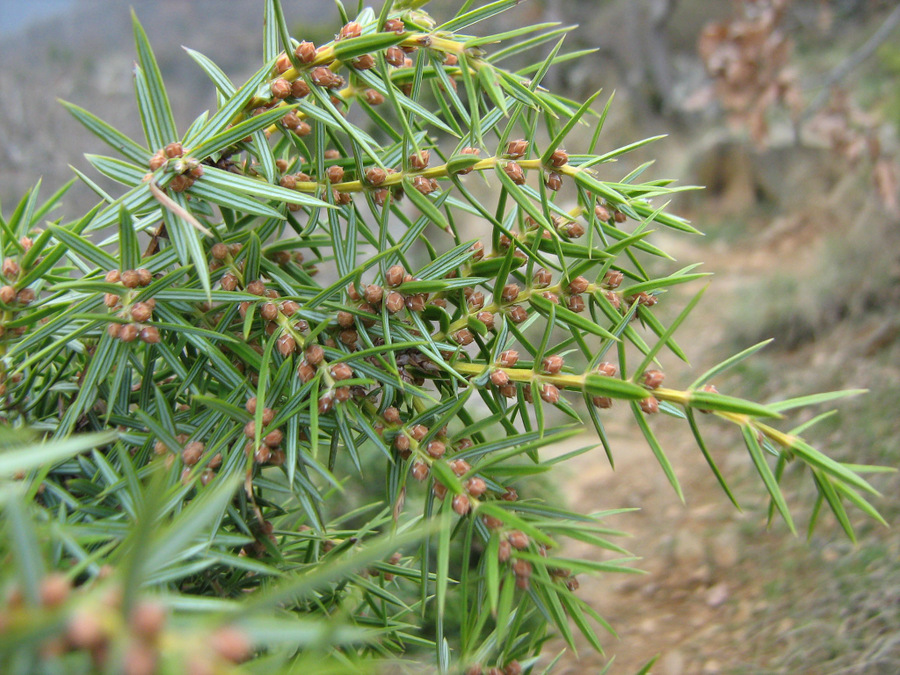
x=137 y=314
x=191 y=454
x=188 y=170
x=334 y=375
x=390 y=295
x=11 y=271
x=79 y=618
x=609 y=370
x=269 y=451
x=511 y=668
x=606 y=213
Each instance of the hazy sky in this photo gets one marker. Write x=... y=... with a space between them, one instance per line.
x=17 y=13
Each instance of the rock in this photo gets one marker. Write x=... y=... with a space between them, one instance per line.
x=673 y=663
x=717 y=595
x=725 y=551
x=711 y=667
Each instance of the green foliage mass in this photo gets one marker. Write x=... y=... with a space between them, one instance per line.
x=279 y=404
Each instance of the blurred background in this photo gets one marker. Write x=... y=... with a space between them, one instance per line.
x=787 y=112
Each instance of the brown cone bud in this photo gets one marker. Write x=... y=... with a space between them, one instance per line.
x=652 y=378
x=522 y=568
x=394 y=302
x=364 y=62
x=54 y=590
x=463 y=337
x=373 y=97
x=487 y=319
x=130 y=279
x=192 y=453
x=256 y=287
x=150 y=335
x=402 y=445
x=475 y=301
x=436 y=449
x=229 y=281
x=420 y=471
x=374 y=294
x=559 y=158
x=613 y=279
x=575 y=303
x=504 y=551
x=578 y=285
x=650 y=405
x=394 y=56
x=219 y=251
x=286 y=345
x=322 y=76
x=231 y=644
x=515 y=172
x=174 y=150
x=375 y=175
x=709 y=389
x=349 y=30
x=553 y=181
x=603 y=402
x=25 y=296
x=419 y=160
x=517 y=314
x=315 y=354
x=552 y=364
x=423 y=185
x=128 y=333
x=418 y=431
x=460 y=466
x=273 y=438
x=341 y=371
x=513 y=668
x=326 y=404
x=608 y=369
x=157 y=160
x=476 y=486
x=492 y=523
x=147 y=619
x=299 y=89
x=395 y=275
x=516 y=149
x=11 y=268
x=461 y=504
x=549 y=393
x=510 y=293
x=518 y=539
x=508 y=359
x=281 y=88
x=394 y=26
x=335 y=174
x=439 y=490
x=305 y=51
x=499 y=378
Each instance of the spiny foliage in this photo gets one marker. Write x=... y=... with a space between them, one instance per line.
x=284 y=397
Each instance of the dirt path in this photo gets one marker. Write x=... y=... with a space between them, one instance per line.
x=696 y=590
x=701 y=594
